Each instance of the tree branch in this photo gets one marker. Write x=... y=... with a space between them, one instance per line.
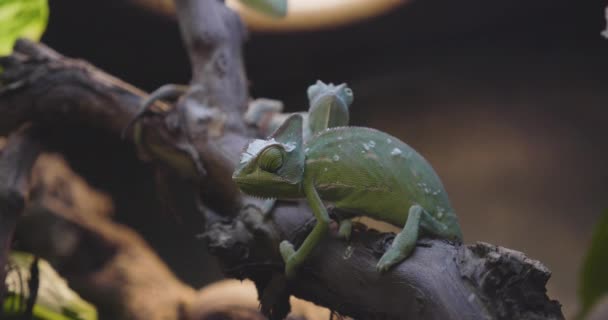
x=440 y=280
x=16 y=160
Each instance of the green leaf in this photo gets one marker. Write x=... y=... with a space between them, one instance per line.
x=275 y=8
x=55 y=299
x=594 y=277
x=21 y=19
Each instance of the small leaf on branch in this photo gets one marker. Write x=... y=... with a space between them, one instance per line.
x=21 y=19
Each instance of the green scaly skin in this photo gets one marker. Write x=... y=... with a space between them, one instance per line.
x=357 y=169
x=328 y=107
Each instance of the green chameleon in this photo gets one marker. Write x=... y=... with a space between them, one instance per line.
x=359 y=170
x=328 y=107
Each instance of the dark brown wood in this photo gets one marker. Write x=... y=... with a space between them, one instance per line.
x=16 y=160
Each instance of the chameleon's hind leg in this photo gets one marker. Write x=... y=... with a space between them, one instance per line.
x=345 y=228
x=405 y=242
x=444 y=230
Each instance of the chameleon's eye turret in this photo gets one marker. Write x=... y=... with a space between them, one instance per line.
x=271 y=159
x=347 y=94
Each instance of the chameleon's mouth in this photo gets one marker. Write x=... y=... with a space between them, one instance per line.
x=248 y=186
x=242 y=180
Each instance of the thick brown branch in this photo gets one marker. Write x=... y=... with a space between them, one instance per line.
x=40 y=85
x=16 y=160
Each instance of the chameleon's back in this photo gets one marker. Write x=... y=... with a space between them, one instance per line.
x=371 y=172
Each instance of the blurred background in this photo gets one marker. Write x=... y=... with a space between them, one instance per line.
x=507 y=99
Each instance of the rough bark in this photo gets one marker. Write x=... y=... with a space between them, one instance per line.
x=439 y=281
x=16 y=160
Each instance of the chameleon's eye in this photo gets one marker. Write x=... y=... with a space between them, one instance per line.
x=271 y=159
x=348 y=91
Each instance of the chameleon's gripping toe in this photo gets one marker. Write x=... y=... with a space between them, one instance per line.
x=288 y=252
x=390 y=258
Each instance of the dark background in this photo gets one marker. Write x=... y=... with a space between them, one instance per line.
x=507 y=100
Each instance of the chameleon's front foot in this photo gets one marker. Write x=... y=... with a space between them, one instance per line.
x=288 y=252
x=389 y=259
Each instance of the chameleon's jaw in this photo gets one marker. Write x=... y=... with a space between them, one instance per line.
x=249 y=186
x=278 y=188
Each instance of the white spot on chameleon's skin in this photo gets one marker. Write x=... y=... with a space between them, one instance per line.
x=369 y=145
x=340 y=138
x=324 y=169
x=289 y=146
x=440 y=212
x=362 y=151
x=306 y=150
x=396 y=152
x=388 y=140
x=336 y=157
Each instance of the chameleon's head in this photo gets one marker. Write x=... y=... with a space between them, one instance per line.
x=273 y=168
x=341 y=92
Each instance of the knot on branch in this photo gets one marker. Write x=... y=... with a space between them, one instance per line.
x=232 y=242
x=510 y=284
